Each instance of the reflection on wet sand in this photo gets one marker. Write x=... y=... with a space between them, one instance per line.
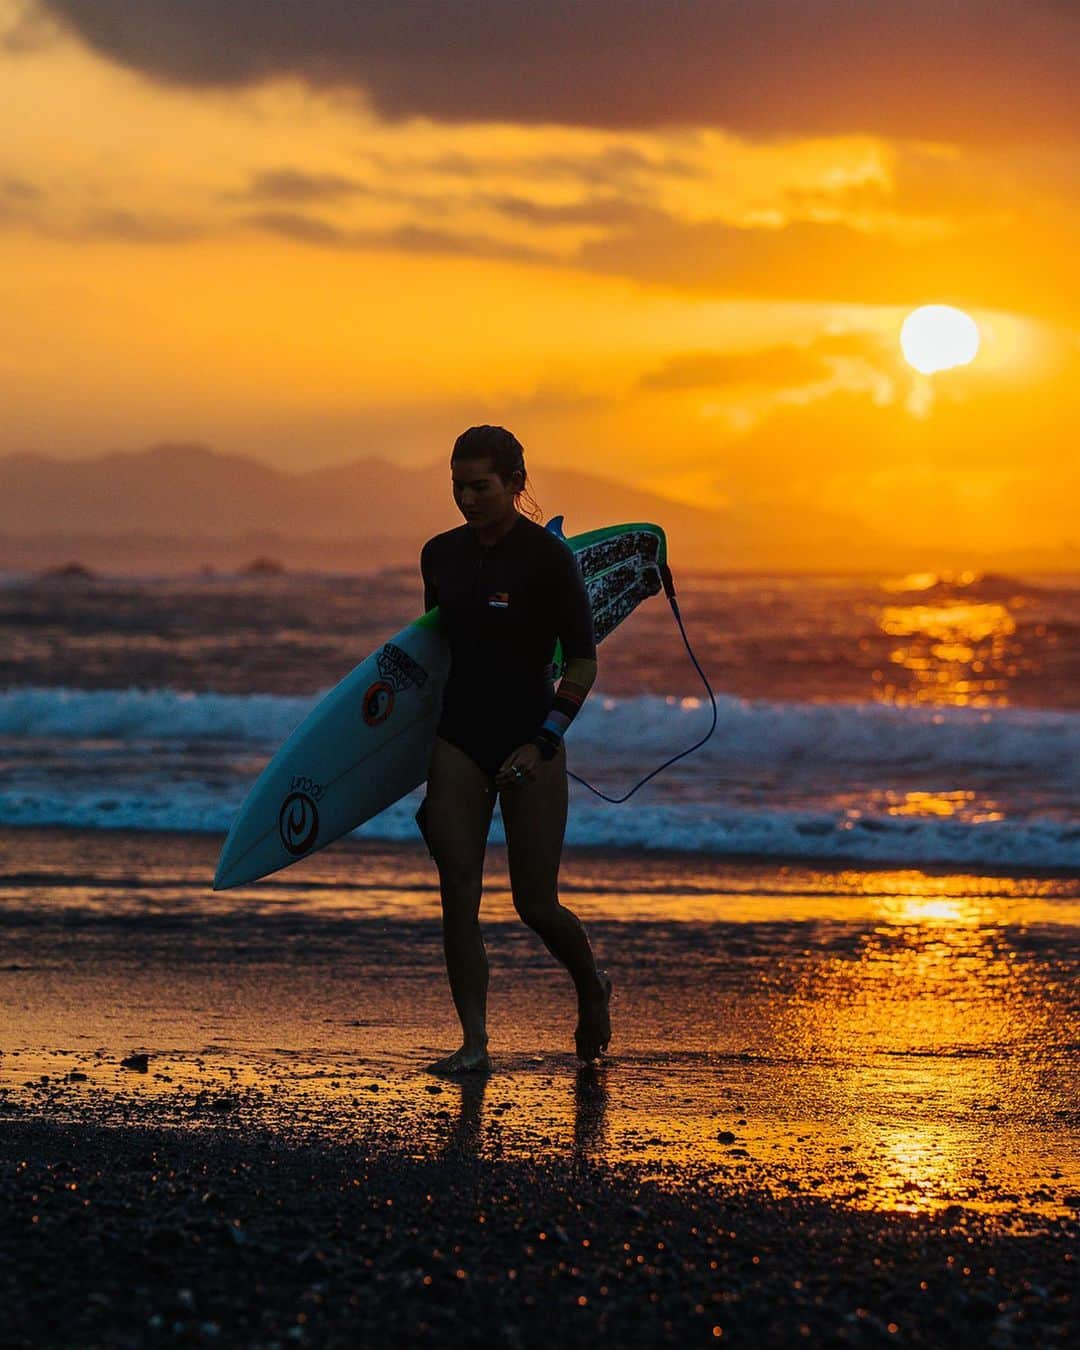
x=889 y=1040
x=947 y=1055
x=465 y=1131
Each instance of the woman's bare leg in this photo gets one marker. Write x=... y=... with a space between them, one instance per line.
x=460 y=800
x=534 y=813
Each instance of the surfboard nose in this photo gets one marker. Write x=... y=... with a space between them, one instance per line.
x=235 y=868
x=229 y=870
x=221 y=876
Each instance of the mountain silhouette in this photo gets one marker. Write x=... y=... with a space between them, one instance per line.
x=181 y=505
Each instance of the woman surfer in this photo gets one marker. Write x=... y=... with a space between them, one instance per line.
x=506 y=589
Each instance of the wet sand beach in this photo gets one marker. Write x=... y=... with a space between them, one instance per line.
x=839 y=1106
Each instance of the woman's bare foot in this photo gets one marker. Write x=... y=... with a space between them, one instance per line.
x=469 y=1059
x=594 y=1022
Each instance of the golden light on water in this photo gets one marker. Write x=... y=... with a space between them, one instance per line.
x=974 y=622
x=952 y=653
x=920 y=908
x=914 y=581
x=930 y=803
x=941 y=804
x=938 y=337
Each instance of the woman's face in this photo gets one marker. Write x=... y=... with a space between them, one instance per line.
x=481 y=495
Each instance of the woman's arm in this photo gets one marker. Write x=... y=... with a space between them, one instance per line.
x=575 y=627
x=573 y=689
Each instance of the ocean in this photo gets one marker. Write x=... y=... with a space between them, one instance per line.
x=874 y=721
x=843 y=934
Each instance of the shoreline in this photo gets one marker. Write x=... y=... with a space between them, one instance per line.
x=676 y=858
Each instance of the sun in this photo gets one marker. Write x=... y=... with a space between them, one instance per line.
x=937 y=337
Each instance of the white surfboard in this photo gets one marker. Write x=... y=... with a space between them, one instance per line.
x=367 y=743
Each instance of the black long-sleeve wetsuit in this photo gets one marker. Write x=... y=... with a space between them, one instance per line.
x=502 y=606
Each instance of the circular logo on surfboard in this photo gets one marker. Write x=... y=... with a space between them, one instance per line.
x=298 y=823
x=378 y=702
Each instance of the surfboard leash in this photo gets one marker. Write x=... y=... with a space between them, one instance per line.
x=669 y=590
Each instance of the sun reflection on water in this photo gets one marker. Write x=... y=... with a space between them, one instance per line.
x=953 y=651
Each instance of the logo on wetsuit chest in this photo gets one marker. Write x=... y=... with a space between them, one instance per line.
x=500 y=600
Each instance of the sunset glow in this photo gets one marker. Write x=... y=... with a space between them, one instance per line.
x=321 y=256
x=572 y=503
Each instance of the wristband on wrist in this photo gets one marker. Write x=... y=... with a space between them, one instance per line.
x=547 y=742
x=564 y=708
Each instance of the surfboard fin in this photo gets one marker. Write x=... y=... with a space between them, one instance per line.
x=555 y=526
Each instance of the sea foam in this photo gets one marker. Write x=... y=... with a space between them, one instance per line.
x=862 y=782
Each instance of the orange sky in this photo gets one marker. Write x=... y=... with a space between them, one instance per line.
x=236 y=236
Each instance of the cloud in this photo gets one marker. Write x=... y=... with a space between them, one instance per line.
x=18 y=190
x=18 y=203
x=304 y=229
x=23 y=205
x=293 y=185
x=619 y=167
x=606 y=211
x=1015 y=265
x=963 y=70
x=404 y=238
x=778 y=366
x=130 y=227
x=297 y=187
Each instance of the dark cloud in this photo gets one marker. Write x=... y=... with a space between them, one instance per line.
x=18 y=190
x=404 y=238
x=23 y=205
x=610 y=211
x=304 y=229
x=615 y=166
x=132 y=228
x=20 y=203
x=611 y=166
x=1011 y=265
x=1014 y=265
x=938 y=69
x=780 y=366
x=293 y=185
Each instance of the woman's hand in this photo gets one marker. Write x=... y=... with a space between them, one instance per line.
x=518 y=765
